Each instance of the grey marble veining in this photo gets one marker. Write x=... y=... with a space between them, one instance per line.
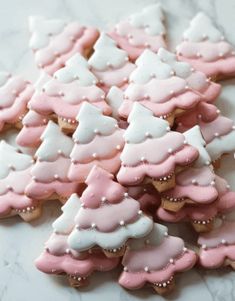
x=21 y=243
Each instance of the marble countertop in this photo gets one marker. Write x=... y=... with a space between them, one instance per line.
x=21 y=243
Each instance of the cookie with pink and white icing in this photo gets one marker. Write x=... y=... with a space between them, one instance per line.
x=154 y=260
x=33 y=126
x=110 y=64
x=196 y=184
x=64 y=93
x=54 y=41
x=58 y=258
x=14 y=177
x=143 y=137
x=15 y=93
x=166 y=86
x=97 y=141
x=108 y=216
x=203 y=216
x=49 y=174
x=217 y=248
x=218 y=131
x=141 y=30
x=206 y=49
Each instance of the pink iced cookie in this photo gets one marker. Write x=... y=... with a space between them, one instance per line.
x=54 y=41
x=98 y=141
x=141 y=31
x=205 y=48
x=108 y=216
x=202 y=216
x=110 y=64
x=59 y=258
x=166 y=86
x=218 y=246
x=15 y=94
x=218 y=131
x=64 y=93
x=49 y=174
x=139 y=158
x=155 y=259
x=14 y=177
x=33 y=126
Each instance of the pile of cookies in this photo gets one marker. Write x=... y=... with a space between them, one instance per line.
x=127 y=136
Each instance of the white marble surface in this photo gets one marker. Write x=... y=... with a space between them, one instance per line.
x=21 y=243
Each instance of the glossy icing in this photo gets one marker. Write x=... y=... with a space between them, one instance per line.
x=156 y=260
x=15 y=94
x=103 y=199
x=49 y=174
x=207 y=51
x=115 y=98
x=139 y=158
x=64 y=93
x=163 y=84
x=33 y=126
x=54 y=41
x=141 y=30
x=109 y=63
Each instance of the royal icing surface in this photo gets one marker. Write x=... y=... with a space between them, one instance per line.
x=109 y=63
x=141 y=159
x=55 y=41
x=115 y=98
x=108 y=216
x=206 y=51
x=156 y=260
x=64 y=93
x=49 y=174
x=33 y=126
x=15 y=94
x=163 y=84
x=141 y=30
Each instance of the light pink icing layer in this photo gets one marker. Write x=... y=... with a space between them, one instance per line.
x=100 y=184
x=135 y=40
x=65 y=100
x=41 y=191
x=79 y=172
x=51 y=264
x=215 y=258
x=137 y=280
x=48 y=171
x=15 y=95
x=63 y=46
x=209 y=62
x=107 y=217
x=12 y=200
x=133 y=175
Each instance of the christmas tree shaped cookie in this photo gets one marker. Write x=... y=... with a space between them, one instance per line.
x=14 y=177
x=217 y=248
x=115 y=98
x=54 y=41
x=15 y=94
x=64 y=93
x=166 y=86
x=58 y=258
x=49 y=174
x=202 y=217
x=142 y=30
x=154 y=260
x=153 y=152
x=108 y=216
x=33 y=126
x=218 y=131
x=205 y=48
x=195 y=185
x=98 y=141
x=110 y=64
